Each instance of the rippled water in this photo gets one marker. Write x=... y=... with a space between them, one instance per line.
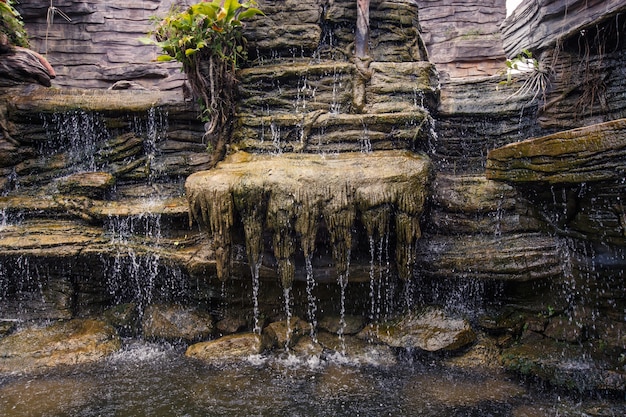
x=154 y=380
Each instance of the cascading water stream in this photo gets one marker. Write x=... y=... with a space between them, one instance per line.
x=311 y=299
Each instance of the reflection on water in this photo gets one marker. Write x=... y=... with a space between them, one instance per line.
x=153 y=380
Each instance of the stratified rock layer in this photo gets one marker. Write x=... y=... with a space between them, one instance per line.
x=587 y=154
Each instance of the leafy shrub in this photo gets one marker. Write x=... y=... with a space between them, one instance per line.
x=11 y=24
x=207 y=40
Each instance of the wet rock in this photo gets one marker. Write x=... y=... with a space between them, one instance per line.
x=88 y=184
x=430 y=329
x=63 y=343
x=586 y=154
x=278 y=334
x=308 y=348
x=176 y=322
x=356 y=350
x=123 y=317
x=566 y=329
x=333 y=324
x=231 y=324
x=569 y=366
x=230 y=348
x=482 y=355
x=511 y=257
x=288 y=193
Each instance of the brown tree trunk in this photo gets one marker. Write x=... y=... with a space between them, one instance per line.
x=361 y=54
x=361 y=41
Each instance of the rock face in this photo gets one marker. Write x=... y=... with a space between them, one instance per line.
x=95 y=49
x=174 y=322
x=538 y=25
x=65 y=343
x=463 y=37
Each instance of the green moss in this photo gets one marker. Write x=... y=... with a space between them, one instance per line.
x=12 y=26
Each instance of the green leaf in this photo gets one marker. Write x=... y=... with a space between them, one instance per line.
x=190 y=51
x=164 y=58
x=246 y=14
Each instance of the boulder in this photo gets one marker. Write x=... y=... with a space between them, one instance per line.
x=431 y=330
x=176 y=322
x=72 y=342
x=351 y=324
x=227 y=349
x=282 y=335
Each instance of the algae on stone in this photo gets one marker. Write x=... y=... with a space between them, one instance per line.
x=300 y=192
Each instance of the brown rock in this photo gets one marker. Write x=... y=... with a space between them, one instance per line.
x=175 y=322
x=431 y=330
x=231 y=348
x=587 y=154
x=63 y=343
x=88 y=184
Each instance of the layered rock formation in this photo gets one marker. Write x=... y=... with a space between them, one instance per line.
x=99 y=45
x=463 y=38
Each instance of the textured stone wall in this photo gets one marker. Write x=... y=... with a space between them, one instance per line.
x=463 y=36
x=100 y=45
x=539 y=24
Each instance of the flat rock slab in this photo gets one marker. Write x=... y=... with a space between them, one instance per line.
x=89 y=184
x=56 y=100
x=63 y=343
x=587 y=154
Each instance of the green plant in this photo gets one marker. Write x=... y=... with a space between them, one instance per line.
x=11 y=24
x=537 y=78
x=207 y=40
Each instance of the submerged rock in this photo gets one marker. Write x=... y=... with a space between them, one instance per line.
x=430 y=329
x=63 y=343
x=358 y=351
x=230 y=348
x=565 y=365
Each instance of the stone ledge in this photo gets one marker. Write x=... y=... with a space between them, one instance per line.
x=587 y=154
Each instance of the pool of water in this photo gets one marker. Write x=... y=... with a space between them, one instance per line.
x=155 y=380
